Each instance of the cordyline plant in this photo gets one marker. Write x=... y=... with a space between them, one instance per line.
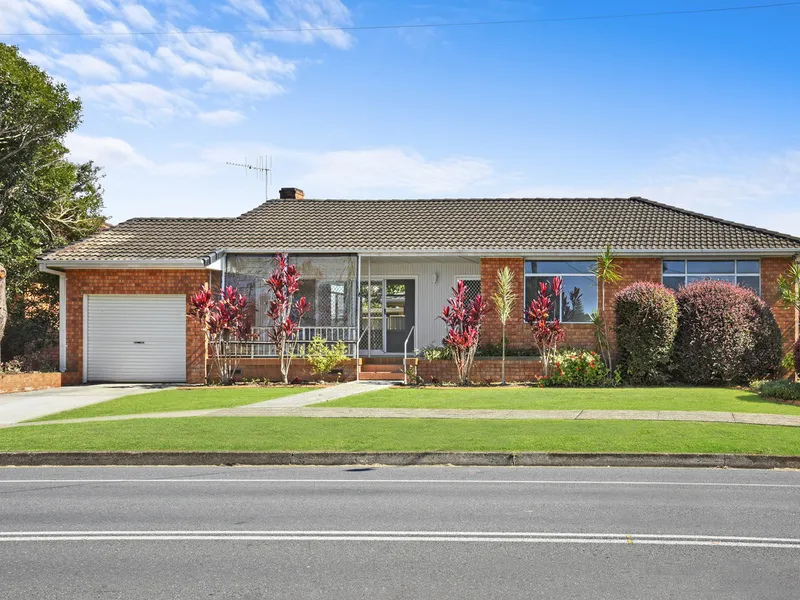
x=606 y=270
x=224 y=324
x=546 y=329
x=463 y=317
x=284 y=312
x=505 y=299
x=789 y=289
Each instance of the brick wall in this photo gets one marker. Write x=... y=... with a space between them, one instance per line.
x=771 y=269
x=576 y=334
x=133 y=281
x=270 y=369
x=517 y=369
x=23 y=382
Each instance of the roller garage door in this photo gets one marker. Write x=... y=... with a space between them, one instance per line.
x=136 y=338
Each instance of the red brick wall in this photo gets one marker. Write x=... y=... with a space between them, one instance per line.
x=133 y=281
x=577 y=334
x=23 y=382
x=517 y=369
x=270 y=369
x=771 y=269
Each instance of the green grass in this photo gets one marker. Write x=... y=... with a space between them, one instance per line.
x=311 y=434
x=516 y=398
x=177 y=399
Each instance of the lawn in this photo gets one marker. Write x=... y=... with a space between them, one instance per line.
x=530 y=398
x=312 y=434
x=177 y=399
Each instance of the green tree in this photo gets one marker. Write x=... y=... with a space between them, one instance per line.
x=46 y=200
x=789 y=290
x=607 y=270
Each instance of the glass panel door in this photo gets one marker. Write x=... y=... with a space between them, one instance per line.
x=372 y=316
x=400 y=311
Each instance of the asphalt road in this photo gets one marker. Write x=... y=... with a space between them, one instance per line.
x=437 y=532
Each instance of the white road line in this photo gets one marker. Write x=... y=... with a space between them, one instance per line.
x=407 y=536
x=419 y=481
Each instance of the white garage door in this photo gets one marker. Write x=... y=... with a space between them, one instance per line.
x=137 y=338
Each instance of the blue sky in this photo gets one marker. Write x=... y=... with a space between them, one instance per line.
x=694 y=110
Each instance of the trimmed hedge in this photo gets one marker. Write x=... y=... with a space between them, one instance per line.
x=780 y=389
x=726 y=335
x=646 y=325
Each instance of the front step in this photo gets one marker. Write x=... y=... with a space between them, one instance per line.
x=380 y=376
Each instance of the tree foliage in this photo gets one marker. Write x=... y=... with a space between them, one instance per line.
x=46 y=200
x=546 y=329
x=464 y=318
x=505 y=299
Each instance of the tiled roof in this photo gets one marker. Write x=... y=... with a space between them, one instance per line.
x=447 y=225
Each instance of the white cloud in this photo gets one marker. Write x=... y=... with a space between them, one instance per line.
x=108 y=152
x=87 y=66
x=249 y=9
x=178 y=65
x=66 y=9
x=138 y=16
x=141 y=102
x=237 y=82
x=221 y=117
x=39 y=59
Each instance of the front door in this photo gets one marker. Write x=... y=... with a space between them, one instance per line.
x=399 y=310
x=388 y=313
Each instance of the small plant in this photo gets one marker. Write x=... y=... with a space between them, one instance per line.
x=547 y=332
x=607 y=271
x=224 y=323
x=789 y=290
x=284 y=312
x=787 y=364
x=324 y=358
x=505 y=299
x=437 y=353
x=780 y=389
x=463 y=317
x=11 y=366
x=412 y=377
x=577 y=368
x=435 y=381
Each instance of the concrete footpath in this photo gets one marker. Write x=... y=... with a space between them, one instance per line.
x=268 y=409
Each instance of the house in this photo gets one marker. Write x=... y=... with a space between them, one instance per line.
x=377 y=273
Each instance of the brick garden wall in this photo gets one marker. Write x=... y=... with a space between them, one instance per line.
x=23 y=382
x=133 y=281
x=518 y=368
x=270 y=369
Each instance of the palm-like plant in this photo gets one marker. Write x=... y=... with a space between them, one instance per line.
x=505 y=299
x=607 y=270
x=789 y=289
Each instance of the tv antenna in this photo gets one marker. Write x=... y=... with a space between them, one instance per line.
x=262 y=168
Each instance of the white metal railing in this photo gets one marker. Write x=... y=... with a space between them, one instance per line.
x=263 y=347
x=405 y=355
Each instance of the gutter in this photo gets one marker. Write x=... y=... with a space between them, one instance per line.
x=187 y=263
x=62 y=315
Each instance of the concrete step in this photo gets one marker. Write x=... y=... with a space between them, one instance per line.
x=373 y=368
x=380 y=376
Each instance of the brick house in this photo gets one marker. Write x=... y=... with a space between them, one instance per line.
x=377 y=273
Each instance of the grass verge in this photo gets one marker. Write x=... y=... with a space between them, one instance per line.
x=530 y=398
x=352 y=435
x=177 y=399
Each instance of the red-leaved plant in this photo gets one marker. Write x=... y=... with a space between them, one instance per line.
x=463 y=317
x=224 y=322
x=284 y=312
x=547 y=331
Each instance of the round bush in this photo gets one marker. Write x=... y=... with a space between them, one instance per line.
x=764 y=358
x=725 y=334
x=646 y=324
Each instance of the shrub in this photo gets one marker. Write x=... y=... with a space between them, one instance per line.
x=764 y=356
x=780 y=389
x=723 y=334
x=12 y=366
x=437 y=353
x=324 y=358
x=463 y=317
x=646 y=325
x=547 y=332
x=577 y=368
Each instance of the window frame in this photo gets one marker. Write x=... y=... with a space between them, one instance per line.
x=712 y=276
x=526 y=300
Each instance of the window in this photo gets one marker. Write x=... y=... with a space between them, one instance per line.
x=579 y=296
x=746 y=273
x=473 y=285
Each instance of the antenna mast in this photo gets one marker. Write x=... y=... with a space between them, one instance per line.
x=262 y=168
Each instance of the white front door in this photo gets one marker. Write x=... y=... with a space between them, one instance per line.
x=135 y=338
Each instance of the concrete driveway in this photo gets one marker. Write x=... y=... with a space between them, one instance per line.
x=22 y=406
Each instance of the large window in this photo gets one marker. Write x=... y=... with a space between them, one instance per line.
x=746 y=273
x=579 y=297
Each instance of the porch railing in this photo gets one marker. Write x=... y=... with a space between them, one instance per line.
x=263 y=347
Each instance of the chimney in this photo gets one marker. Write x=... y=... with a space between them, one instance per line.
x=292 y=194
